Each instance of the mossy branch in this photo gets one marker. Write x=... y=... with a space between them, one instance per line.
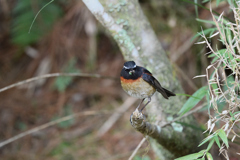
x=127 y=24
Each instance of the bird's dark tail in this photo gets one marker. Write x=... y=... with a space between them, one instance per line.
x=165 y=93
x=169 y=93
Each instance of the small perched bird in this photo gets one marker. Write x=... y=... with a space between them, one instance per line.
x=138 y=82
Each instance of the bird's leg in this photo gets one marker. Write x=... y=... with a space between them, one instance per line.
x=149 y=100
x=140 y=103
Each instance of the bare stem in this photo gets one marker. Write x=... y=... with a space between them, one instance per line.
x=86 y=75
x=14 y=138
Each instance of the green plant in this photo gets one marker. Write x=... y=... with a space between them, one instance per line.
x=223 y=88
x=62 y=83
x=23 y=16
x=67 y=110
x=142 y=158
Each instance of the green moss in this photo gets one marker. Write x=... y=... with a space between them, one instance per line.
x=124 y=40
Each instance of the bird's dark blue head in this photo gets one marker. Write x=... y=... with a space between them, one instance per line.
x=129 y=65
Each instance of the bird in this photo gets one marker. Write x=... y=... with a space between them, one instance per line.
x=138 y=82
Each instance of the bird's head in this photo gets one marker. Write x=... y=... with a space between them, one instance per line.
x=130 y=67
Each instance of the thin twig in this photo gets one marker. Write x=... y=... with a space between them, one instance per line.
x=115 y=116
x=137 y=148
x=86 y=75
x=86 y=113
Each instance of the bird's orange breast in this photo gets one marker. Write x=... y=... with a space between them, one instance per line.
x=137 y=88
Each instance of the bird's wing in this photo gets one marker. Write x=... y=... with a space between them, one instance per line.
x=147 y=76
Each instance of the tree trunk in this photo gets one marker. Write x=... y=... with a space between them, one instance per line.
x=126 y=22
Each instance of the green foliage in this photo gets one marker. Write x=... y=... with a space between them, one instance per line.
x=193 y=100
x=208 y=31
x=218 y=1
x=23 y=16
x=223 y=136
x=60 y=148
x=230 y=2
x=211 y=32
x=223 y=92
x=207 y=139
x=142 y=158
x=192 y=156
x=215 y=138
x=68 y=123
x=209 y=156
x=21 y=125
x=200 y=156
x=62 y=83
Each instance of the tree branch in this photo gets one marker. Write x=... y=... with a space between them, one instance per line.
x=155 y=131
x=127 y=24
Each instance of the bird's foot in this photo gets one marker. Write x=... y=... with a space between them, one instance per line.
x=137 y=114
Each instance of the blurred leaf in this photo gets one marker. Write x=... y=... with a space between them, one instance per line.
x=204 y=1
x=62 y=82
x=192 y=156
x=70 y=122
x=59 y=149
x=232 y=116
x=228 y=58
x=229 y=35
x=21 y=125
x=211 y=55
x=210 y=144
x=209 y=156
x=221 y=103
x=213 y=82
x=209 y=31
x=67 y=110
x=206 y=139
x=221 y=52
x=205 y=21
x=218 y=2
x=23 y=15
x=142 y=158
x=193 y=100
x=217 y=141
x=196 y=7
x=223 y=136
x=214 y=59
x=224 y=20
x=235 y=113
x=208 y=106
x=230 y=81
